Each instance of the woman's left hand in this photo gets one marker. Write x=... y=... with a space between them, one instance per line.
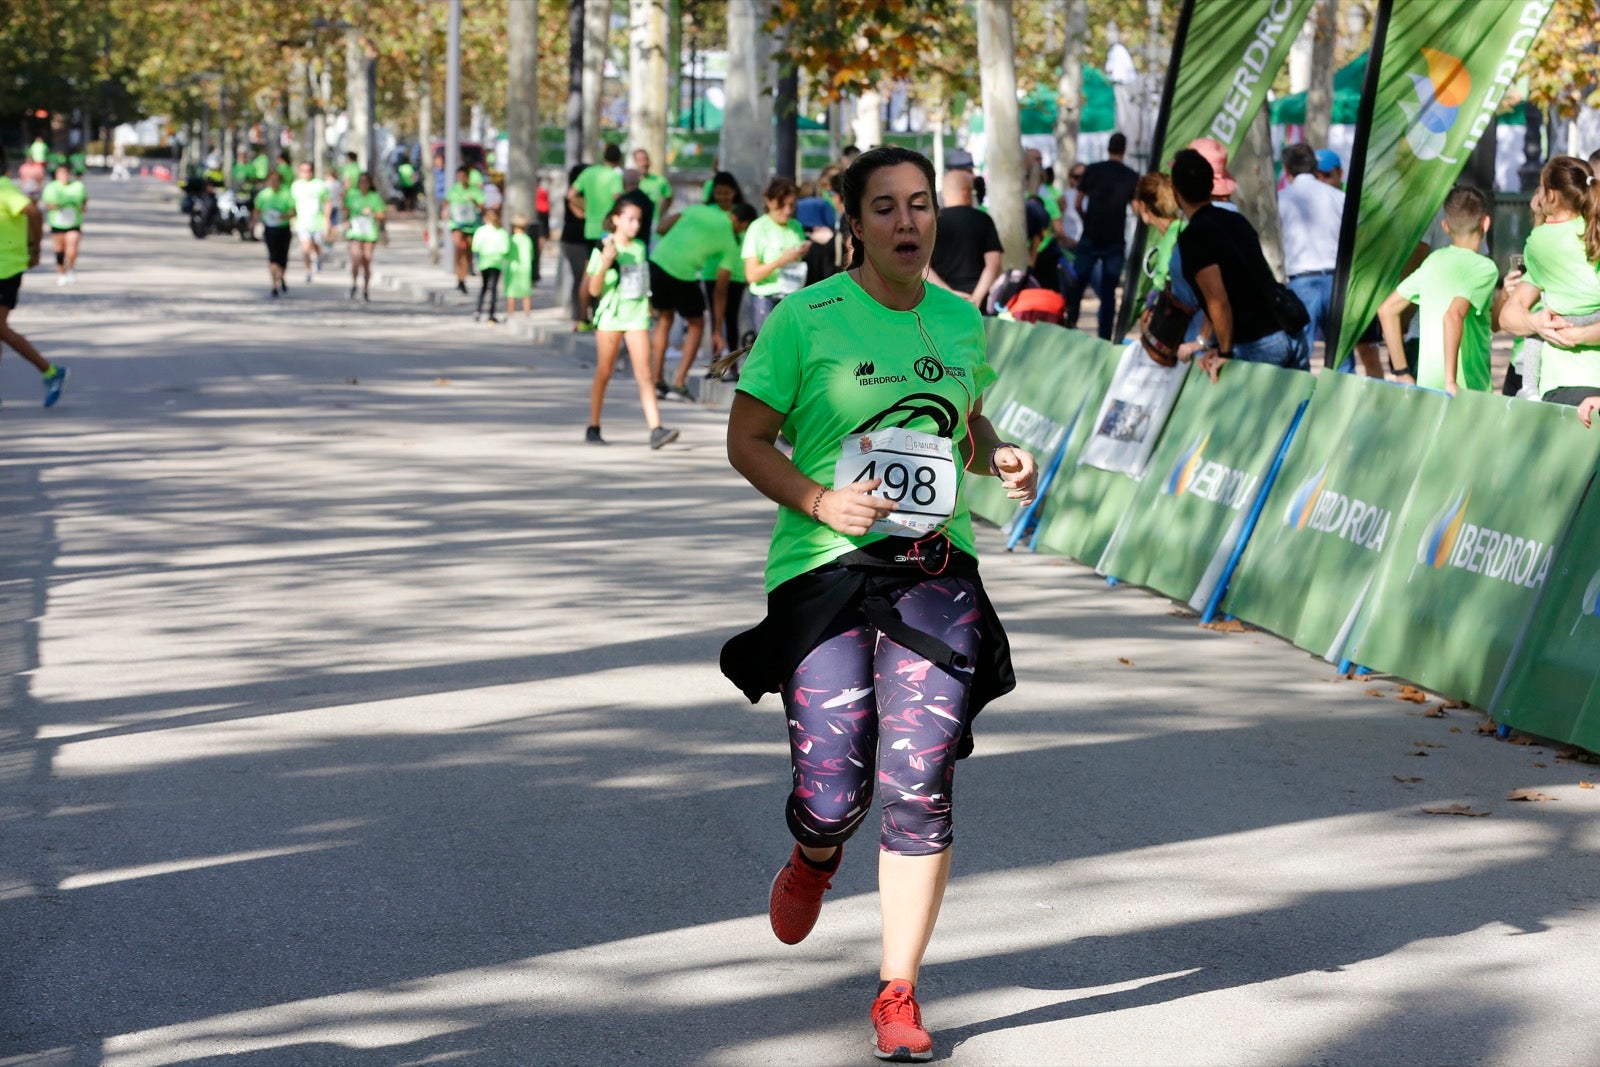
x=1548 y=325
x=1018 y=473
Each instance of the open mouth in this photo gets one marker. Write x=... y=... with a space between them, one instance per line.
x=907 y=248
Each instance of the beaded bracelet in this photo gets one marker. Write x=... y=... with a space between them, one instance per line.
x=1003 y=444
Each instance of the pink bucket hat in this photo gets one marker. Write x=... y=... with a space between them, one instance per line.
x=1222 y=183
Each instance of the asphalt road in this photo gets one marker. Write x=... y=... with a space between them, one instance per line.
x=355 y=713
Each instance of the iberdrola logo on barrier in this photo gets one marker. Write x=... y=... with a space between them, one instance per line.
x=1440 y=535
x=1304 y=501
x=1439 y=96
x=1184 y=469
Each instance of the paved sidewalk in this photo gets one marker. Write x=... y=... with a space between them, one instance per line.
x=356 y=713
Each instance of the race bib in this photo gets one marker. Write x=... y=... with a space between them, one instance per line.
x=633 y=281
x=272 y=218
x=792 y=278
x=918 y=472
x=463 y=211
x=68 y=217
x=363 y=227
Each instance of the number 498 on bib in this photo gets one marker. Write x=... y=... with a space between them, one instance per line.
x=918 y=472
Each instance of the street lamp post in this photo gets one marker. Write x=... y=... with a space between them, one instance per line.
x=452 y=96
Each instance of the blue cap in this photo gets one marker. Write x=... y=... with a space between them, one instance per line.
x=1328 y=161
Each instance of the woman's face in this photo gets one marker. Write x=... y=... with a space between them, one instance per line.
x=365 y=183
x=722 y=196
x=781 y=210
x=628 y=220
x=896 y=227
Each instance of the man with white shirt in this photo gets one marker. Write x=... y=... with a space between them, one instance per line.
x=1310 y=212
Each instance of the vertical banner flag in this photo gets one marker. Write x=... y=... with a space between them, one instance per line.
x=1225 y=54
x=1442 y=67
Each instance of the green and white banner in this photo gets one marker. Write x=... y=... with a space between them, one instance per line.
x=1330 y=521
x=1225 y=54
x=1472 y=549
x=1206 y=473
x=1442 y=68
x=1048 y=378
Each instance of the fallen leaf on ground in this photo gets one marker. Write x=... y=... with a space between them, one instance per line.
x=1374 y=692
x=1487 y=726
x=1585 y=785
x=1419 y=752
x=1397 y=778
x=441 y=381
x=1411 y=695
x=1457 y=704
x=352 y=381
x=1538 y=764
x=1456 y=809
x=1436 y=712
x=1180 y=613
x=1427 y=744
x=1521 y=739
x=1125 y=661
x=1528 y=794
x=1226 y=626
x=1455 y=729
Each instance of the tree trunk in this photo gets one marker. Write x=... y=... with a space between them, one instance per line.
x=937 y=120
x=1258 y=188
x=674 y=70
x=1069 y=90
x=522 y=105
x=360 y=71
x=647 y=79
x=1002 y=130
x=868 y=122
x=787 y=130
x=575 y=24
x=1319 y=95
x=596 y=29
x=746 y=148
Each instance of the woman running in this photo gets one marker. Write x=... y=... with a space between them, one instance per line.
x=774 y=252
x=366 y=210
x=878 y=633
x=274 y=208
x=64 y=200
x=492 y=246
x=619 y=282
x=463 y=204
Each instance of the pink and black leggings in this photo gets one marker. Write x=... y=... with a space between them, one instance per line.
x=862 y=706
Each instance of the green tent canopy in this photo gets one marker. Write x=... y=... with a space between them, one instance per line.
x=1037 y=111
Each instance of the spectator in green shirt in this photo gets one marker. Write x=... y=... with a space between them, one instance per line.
x=655 y=186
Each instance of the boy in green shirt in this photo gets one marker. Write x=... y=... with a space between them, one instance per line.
x=1454 y=289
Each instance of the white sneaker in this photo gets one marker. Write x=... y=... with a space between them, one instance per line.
x=308 y=277
x=72 y=277
x=61 y=279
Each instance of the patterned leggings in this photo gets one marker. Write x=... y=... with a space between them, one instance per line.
x=859 y=702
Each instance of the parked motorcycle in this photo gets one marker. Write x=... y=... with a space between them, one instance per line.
x=213 y=212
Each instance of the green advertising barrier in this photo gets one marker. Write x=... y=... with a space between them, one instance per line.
x=1217 y=447
x=1552 y=687
x=1496 y=488
x=1047 y=375
x=1329 y=521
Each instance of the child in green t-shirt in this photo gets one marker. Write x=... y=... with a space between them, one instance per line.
x=519 y=267
x=619 y=283
x=1454 y=290
x=492 y=246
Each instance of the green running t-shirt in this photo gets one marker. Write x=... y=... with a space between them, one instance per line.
x=363 y=210
x=276 y=206
x=1052 y=207
x=310 y=198
x=701 y=240
x=656 y=187
x=1447 y=273
x=350 y=173
x=463 y=205
x=1159 y=265
x=492 y=246
x=407 y=173
x=764 y=242
x=13 y=228
x=1558 y=264
x=624 y=303
x=600 y=186
x=519 y=267
x=837 y=363
x=64 y=201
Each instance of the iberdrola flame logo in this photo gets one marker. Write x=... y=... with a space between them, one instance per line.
x=1304 y=502
x=1439 y=536
x=1440 y=94
x=1183 y=470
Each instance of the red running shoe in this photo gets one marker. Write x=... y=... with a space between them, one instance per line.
x=898 y=1021
x=796 y=898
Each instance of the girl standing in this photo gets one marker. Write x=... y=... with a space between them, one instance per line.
x=492 y=246
x=878 y=633
x=365 y=209
x=519 y=268
x=619 y=283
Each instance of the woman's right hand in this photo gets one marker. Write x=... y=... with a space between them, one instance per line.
x=851 y=510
